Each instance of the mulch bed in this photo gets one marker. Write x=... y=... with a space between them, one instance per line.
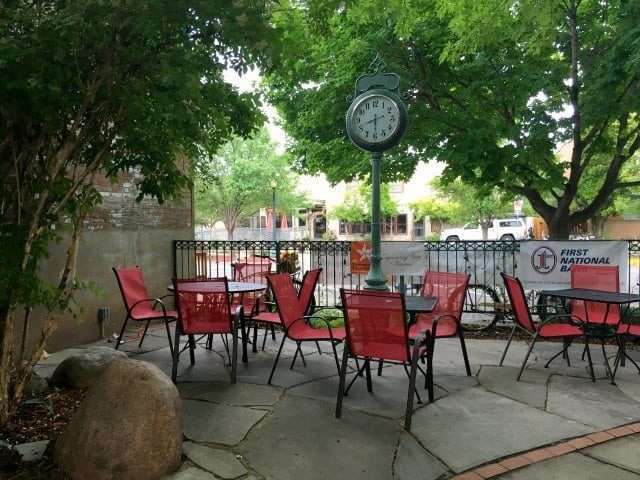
x=38 y=418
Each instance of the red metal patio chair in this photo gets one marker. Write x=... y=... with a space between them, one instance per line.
x=271 y=319
x=204 y=308
x=544 y=329
x=595 y=277
x=139 y=305
x=372 y=320
x=628 y=328
x=444 y=321
x=293 y=308
x=254 y=270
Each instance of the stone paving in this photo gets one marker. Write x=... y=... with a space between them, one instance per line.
x=546 y=426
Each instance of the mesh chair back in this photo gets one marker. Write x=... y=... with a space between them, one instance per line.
x=290 y=307
x=203 y=305
x=518 y=302
x=309 y=282
x=595 y=277
x=132 y=288
x=372 y=322
x=450 y=290
x=252 y=271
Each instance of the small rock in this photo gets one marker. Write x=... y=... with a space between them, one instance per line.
x=82 y=369
x=128 y=427
x=36 y=385
x=33 y=451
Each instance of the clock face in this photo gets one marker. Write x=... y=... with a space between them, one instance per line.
x=375 y=119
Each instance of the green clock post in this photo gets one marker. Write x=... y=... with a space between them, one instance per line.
x=376 y=121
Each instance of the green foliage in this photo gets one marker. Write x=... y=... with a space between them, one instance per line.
x=356 y=205
x=456 y=202
x=236 y=182
x=95 y=88
x=334 y=316
x=493 y=88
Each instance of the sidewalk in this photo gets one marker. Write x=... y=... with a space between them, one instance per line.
x=555 y=423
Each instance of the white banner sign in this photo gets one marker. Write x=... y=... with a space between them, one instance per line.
x=403 y=258
x=547 y=264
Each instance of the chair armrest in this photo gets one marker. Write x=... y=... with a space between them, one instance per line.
x=434 y=325
x=156 y=301
x=573 y=320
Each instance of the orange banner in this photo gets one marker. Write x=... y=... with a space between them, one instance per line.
x=360 y=262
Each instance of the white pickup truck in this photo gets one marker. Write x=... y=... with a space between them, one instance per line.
x=499 y=229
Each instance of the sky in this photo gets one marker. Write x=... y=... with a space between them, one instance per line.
x=248 y=83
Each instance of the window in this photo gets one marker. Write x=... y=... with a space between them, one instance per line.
x=418 y=228
x=395 y=225
x=511 y=223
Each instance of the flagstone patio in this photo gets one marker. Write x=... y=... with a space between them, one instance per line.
x=546 y=426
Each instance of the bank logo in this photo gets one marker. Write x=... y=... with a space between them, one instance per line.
x=544 y=260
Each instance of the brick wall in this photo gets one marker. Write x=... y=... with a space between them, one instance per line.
x=119 y=209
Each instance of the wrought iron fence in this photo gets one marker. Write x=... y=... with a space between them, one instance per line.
x=483 y=260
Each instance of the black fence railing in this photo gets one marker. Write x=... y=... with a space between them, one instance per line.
x=483 y=260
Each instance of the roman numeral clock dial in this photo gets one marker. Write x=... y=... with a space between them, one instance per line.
x=376 y=121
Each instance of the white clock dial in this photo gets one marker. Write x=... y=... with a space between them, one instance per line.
x=375 y=118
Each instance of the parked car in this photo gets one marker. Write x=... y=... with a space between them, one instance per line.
x=499 y=229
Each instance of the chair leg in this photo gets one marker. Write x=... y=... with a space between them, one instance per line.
x=464 y=352
x=166 y=326
x=225 y=342
x=380 y=368
x=264 y=338
x=526 y=357
x=343 y=375
x=412 y=388
x=122 y=332
x=606 y=363
x=192 y=349
x=335 y=354
x=504 y=354
x=146 y=327
x=273 y=369
x=428 y=381
x=234 y=357
x=255 y=338
x=175 y=355
x=243 y=332
x=406 y=370
x=273 y=333
x=318 y=347
x=367 y=368
x=355 y=377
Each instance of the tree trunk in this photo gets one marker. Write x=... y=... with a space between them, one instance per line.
x=559 y=227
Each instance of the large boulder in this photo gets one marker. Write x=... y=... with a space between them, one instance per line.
x=81 y=370
x=129 y=426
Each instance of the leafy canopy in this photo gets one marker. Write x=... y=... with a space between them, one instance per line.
x=235 y=183
x=494 y=87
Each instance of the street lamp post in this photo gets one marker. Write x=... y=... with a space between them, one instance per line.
x=274 y=184
x=276 y=248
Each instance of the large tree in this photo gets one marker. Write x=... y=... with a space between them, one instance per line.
x=94 y=87
x=356 y=205
x=494 y=87
x=235 y=182
x=456 y=202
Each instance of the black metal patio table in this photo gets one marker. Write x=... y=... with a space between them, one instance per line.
x=601 y=329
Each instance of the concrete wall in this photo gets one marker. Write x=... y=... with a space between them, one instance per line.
x=120 y=232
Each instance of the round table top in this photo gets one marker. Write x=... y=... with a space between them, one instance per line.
x=234 y=287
